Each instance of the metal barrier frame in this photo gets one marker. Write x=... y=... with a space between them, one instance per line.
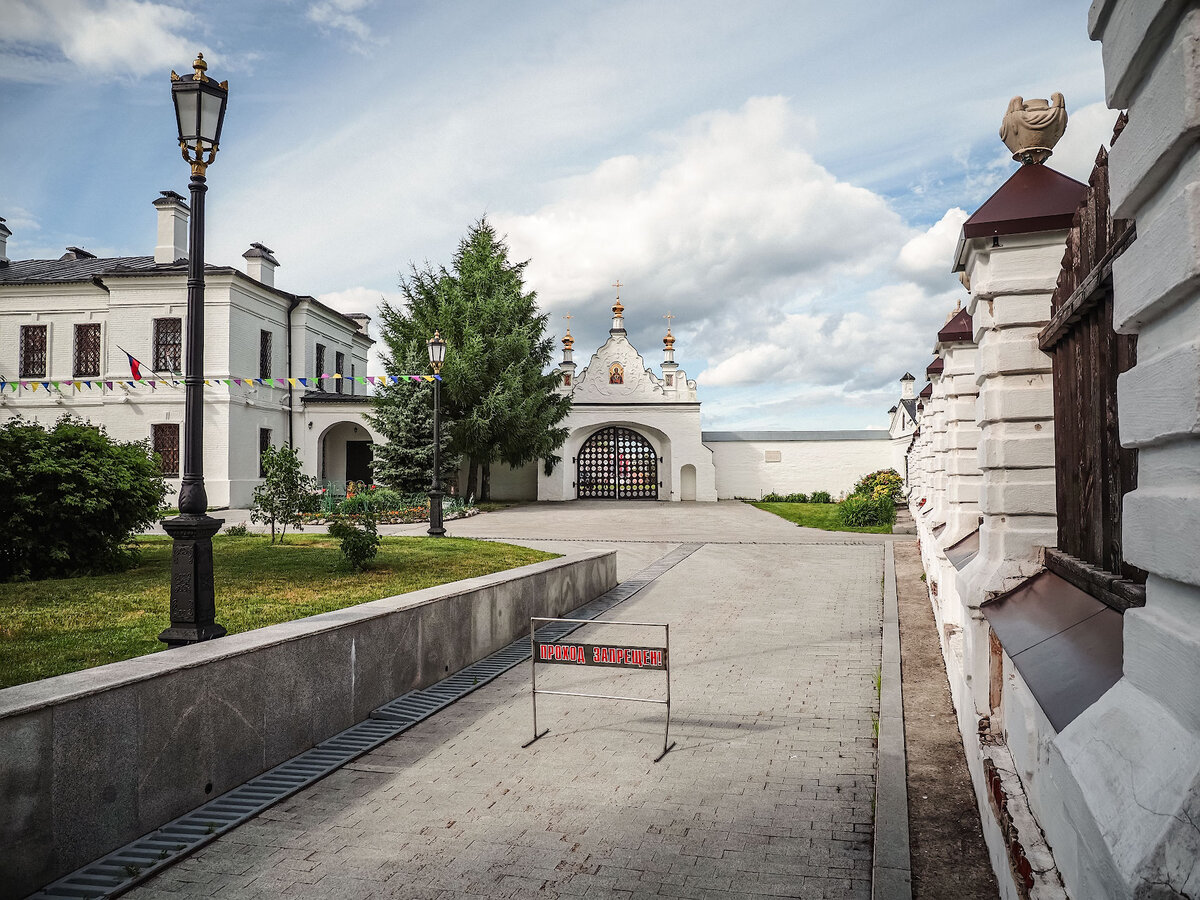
x=533 y=660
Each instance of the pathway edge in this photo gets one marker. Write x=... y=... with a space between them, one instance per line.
x=891 y=869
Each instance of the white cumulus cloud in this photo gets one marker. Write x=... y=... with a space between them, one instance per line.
x=46 y=40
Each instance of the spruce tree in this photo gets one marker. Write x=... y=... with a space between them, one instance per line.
x=403 y=414
x=495 y=389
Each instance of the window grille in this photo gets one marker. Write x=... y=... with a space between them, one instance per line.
x=264 y=444
x=264 y=354
x=168 y=345
x=87 y=350
x=33 y=351
x=320 y=367
x=340 y=368
x=165 y=439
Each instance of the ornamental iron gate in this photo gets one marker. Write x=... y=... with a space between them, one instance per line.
x=617 y=464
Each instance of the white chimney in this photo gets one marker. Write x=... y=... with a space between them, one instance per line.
x=907 y=384
x=172 y=228
x=260 y=264
x=362 y=320
x=5 y=234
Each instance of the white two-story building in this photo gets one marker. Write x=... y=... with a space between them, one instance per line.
x=67 y=324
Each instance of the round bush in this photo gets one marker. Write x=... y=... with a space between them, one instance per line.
x=71 y=497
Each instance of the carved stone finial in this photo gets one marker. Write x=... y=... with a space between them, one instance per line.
x=1031 y=128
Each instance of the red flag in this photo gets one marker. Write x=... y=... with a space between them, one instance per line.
x=135 y=367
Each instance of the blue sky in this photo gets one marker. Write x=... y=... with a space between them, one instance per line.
x=787 y=178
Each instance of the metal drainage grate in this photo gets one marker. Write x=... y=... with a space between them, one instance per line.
x=140 y=860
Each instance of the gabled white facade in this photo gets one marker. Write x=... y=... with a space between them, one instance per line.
x=617 y=388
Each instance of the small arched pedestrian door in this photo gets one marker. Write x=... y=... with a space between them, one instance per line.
x=617 y=464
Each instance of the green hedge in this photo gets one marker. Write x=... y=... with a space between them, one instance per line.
x=857 y=511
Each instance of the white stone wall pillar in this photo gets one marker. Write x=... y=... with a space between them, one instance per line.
x=964 y=480
x=1011 y=286
x=1132 y=760
x=937 y=449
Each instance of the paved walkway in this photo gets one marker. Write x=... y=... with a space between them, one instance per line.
x=775 y=642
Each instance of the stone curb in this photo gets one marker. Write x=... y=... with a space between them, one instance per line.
x=891 y=870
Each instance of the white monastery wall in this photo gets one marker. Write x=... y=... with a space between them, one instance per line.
x=823 y=461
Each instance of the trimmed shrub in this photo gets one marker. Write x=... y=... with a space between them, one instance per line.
x=820 y=497
x=857 y=511
x=784 y=498
x=359 y=540
x=71 y=498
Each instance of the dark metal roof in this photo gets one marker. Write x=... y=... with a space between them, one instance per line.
x=959 y=328
x=1066 y=644
x=864 y=435
x=908 y=376
x=69 y=270
x=926 y=391
x=910 y=407
x=936 y=367
x=334 y=398
x=1036 y=198
x=62 y=271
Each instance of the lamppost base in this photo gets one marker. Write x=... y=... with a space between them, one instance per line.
x=435 y=514
x=193 y=601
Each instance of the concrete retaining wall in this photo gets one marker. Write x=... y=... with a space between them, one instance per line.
x=91 y=760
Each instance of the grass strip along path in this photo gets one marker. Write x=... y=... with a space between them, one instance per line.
x=817 y=515
x=66 y=624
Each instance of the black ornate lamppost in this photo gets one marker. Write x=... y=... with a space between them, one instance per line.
x=437 y=355
x=199 y=113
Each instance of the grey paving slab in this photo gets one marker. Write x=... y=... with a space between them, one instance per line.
x=769 y=791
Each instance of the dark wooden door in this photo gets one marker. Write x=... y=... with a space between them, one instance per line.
x=359 y=455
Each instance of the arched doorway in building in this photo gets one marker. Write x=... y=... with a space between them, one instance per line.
x=346 y=454
x=617 y=463
x=687 y=482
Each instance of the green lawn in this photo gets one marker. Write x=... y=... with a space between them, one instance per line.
x=817 y=515
x=66 y=624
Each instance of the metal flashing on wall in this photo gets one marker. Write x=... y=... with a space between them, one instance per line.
x=1066 y=644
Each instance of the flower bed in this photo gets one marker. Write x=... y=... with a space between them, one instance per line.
x=383 y=505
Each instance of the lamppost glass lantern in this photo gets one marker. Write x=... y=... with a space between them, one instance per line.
x=437 y=352
x=199 y=114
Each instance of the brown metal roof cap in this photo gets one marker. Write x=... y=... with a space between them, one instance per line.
x=935 y=367
x=1036 y=198
x=926 y=391
x=959 y=328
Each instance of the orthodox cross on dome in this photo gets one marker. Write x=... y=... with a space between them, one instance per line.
x=567 y=340
x=618 y=323
x=669 y=340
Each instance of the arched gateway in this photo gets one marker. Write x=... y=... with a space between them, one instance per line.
x=617 y=464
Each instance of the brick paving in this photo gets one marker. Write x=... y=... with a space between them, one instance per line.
x=768 y=792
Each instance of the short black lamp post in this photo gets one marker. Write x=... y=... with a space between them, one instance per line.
x=437 y=355
x=199 y=113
